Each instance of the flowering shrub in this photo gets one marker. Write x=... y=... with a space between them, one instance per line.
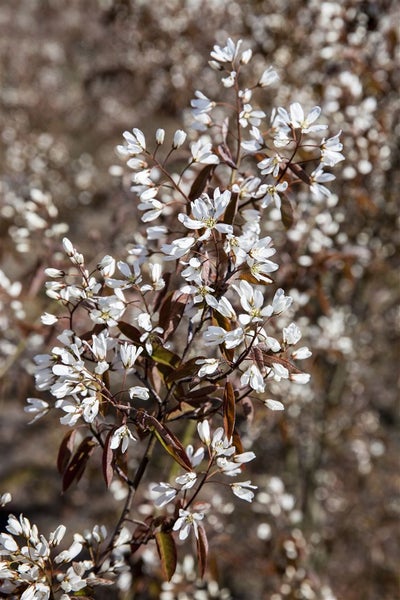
x=163 y=352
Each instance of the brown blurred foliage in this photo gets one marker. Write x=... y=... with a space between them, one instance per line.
x=74 y=75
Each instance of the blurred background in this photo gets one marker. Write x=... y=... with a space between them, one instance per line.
x=73 y=76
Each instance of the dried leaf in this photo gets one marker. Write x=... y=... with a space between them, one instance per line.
x=229 y=409
x=167 y=551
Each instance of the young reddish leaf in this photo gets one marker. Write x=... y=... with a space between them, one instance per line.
x=162 y=293
x=167 y=439
x=248 y=409
x=108 y=460
x=65 y=451
x=299 y=172
x=226 y=156
x=167 y=551
x=78 y=463
x=200 y=183
x=237 y=442
x=229 y=408
x=186 y=370
x=202 y=549
x=231 y=209
x=171 y=312
x=287 y=213
x=129 y=331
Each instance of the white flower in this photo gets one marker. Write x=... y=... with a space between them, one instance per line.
x=107 y=266
x=54 y=273
x=301 y=378
x=220 y=444
x=201 y=104
x=297 y=120
x=36 y=407
x=70 y=554
x=109 y=310
x=252 y=301
x=226 y=54
x=274 y=404
x=214 y=335
x=121 y=437
x=160 y=135
x=179 y=138
x=36 y=591
x=140 y=392
x=135 y=143
x=254 y=144
x=317 y=178
x=331 y=151
x=6 y=498
x=186 y=521
x=209 y=366
x=177 y=248
x=203 y=429
x=291 y=334
x=195 y=457
x=243 y=490
x=187 y=480
x=302 y=353
x=229 y=81
x=270 y=166
x=250 y=116
x=206 y=212
x=246 y=56
x=280 y=302
x=272 y=194
x=8 y=543
x=201 y=153
x=253 y=377
x=131 y=276
x=56 y=536
x=129 y=354
x=268 y=77
x=165 y=492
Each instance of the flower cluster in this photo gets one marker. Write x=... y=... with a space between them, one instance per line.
x=181 y=327
x=32 y=569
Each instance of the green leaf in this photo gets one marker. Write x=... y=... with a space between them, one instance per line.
x=167 y=551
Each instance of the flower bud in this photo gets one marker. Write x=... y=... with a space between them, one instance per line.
x=179 y=138
x=160 y=135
